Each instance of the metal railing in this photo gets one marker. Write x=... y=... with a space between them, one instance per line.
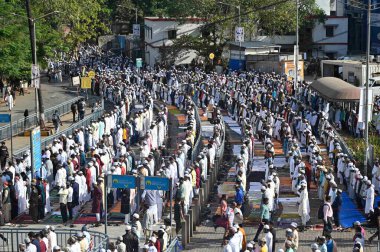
x=220 y=152
x=21 y=125
x=16 y=236
x=197 y=144
x=69 y=131
x=174 y=246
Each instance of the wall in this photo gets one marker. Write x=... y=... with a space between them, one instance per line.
x=358 y=69
x=338 y=43
x=156 y=34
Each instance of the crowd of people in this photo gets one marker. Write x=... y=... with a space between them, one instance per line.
x=267 y=108
x=75 y=165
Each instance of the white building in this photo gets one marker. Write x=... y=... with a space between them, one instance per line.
x=351 y=71
x=331 y=37
x=160 y=33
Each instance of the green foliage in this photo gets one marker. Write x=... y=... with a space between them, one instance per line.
x=15 y=55
x=221 y=19
x=358 y=146
x=77 y=22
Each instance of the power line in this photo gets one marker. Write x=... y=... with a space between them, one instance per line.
x=210 y=24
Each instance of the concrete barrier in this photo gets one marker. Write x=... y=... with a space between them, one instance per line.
x=191 y=221
x=202 y=194
x=187 y=227
x=184 y=232
x=197 y=212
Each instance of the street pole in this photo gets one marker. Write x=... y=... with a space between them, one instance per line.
x=136 y=15
x=296 y=51
x=367 y=85
x=106 y=202
x=32 y=33
x=238 y=7
x=10 y=124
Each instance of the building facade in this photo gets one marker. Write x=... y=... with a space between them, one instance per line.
x=159 y=36
x=330 y=39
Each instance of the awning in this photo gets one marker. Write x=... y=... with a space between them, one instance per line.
x=335 y=89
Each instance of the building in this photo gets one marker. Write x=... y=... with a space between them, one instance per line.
x=351 y=71
x=330 y=39
x=160 y=33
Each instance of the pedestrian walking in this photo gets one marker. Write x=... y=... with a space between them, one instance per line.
x=10 y=101
x=56 y=121
x=26 y=119
x=74 y=110
x=4 y=154
x=81 y=108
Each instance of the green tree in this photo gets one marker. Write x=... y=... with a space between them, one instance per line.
x=77 y=22
x=15 y=55
x=270 y=17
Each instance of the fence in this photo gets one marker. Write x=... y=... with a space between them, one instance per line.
x=19 y=126
x=15 y=236
x=220 y=152
x=174 y=246
x=197 y=144
x=69 y=131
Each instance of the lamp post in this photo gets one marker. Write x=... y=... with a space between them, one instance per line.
x=32 y=33
x=296 y=49
x=367 y=86
x=239 y=23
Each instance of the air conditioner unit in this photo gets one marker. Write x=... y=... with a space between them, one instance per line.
x=371 y=58
x=378 y=58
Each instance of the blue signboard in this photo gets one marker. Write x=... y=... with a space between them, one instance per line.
x=156 y=183
x=35 y=143
x=122 y=181
x=5 y=118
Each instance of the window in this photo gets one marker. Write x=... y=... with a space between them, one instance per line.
x=329 y=31
x=172 y=34
x=332 y=13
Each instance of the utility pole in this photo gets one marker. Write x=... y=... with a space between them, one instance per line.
x=366 y=97
x=32 y=33
x=238 y=7
x=296 y=49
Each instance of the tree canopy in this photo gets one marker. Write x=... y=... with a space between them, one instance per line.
x=83 y=21
x=271 y=17
x=76 y=22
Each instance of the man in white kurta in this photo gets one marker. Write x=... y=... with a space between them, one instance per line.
x=369 y=198
x=60 y=177
x=304 y=207
x=376 y=176
x=21 y=194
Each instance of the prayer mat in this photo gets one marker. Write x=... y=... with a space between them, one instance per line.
x=349 y=212
x=23 y=218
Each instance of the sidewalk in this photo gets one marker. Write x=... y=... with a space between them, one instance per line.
x=22 y=141
x=52 y=93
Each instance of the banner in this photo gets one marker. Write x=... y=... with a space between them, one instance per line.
x=85 y=82
x=76 y=81
x=239 y=34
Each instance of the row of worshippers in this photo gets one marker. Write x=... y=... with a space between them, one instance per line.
x=266 y=128
x=284 y=118
x=65 y=162
x=46 y=240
